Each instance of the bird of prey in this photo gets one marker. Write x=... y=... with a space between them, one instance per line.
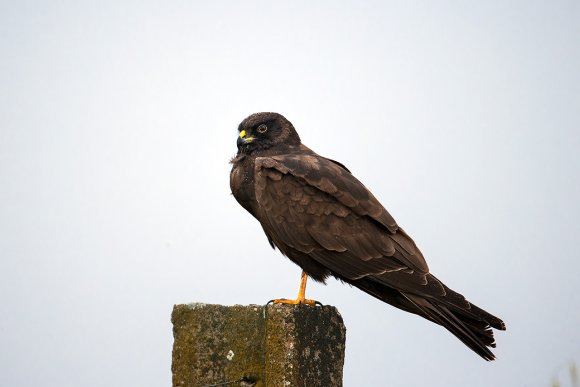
x=327 y=222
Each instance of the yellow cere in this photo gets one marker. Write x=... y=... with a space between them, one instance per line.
x=243 y=134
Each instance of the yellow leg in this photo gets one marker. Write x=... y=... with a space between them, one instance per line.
x=301 y=294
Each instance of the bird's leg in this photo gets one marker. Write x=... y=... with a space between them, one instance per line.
x=301 y=299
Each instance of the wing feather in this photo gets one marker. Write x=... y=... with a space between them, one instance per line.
x=315 y=219
x=332 y=211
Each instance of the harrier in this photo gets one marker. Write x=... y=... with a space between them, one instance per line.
x=327 y=222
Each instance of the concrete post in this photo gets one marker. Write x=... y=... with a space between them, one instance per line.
x=255 y=345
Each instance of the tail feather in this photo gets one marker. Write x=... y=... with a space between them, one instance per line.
x=469 y=323
x=476 y=338
x=471 y=311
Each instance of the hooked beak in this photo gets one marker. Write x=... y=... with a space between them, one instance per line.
x=244 y=139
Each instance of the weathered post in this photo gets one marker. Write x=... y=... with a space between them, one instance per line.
x=263 y=346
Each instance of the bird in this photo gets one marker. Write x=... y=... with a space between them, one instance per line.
x=320 y=216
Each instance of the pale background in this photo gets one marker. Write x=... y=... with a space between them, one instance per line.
x=118 y=119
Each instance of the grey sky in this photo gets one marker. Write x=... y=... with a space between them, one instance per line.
x=118 y=119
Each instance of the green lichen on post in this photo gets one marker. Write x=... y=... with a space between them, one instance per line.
x=309 y=350
x=273 y=346
x=215 y=343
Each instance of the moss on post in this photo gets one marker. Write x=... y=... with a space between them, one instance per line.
x=275 y=345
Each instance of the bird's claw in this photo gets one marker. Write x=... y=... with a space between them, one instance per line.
x=294 y=302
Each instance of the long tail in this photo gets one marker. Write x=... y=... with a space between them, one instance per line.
x=470 y=324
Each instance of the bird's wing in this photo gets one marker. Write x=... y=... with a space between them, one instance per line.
x=312 y=205
x=315 y=206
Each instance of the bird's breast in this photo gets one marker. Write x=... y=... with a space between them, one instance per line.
x=242 y=182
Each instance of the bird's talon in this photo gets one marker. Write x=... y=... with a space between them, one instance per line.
x=295 y=302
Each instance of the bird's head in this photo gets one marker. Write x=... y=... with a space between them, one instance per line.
x=262 y=131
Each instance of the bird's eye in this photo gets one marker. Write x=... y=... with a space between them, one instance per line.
x=262 y=128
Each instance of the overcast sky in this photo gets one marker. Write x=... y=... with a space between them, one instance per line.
x=118 y=120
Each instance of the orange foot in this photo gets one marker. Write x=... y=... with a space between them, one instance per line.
x=301 y=299
x=297 y=301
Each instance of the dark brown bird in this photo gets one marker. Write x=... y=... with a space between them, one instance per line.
x=328 y=223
